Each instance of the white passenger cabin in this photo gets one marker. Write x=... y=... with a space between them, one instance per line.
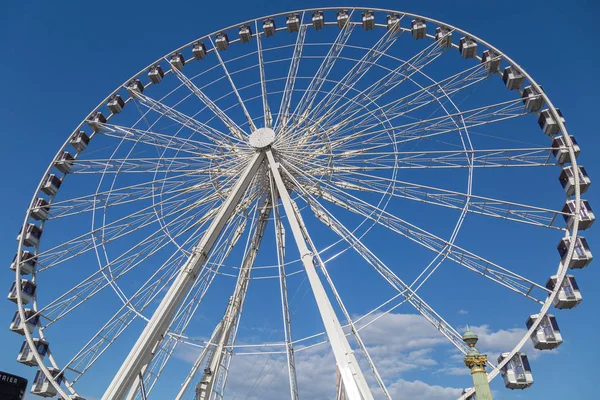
x=513 y=79
x=115 y=104
x=467 y=47
x=41 y=385
x=40 y=209
x=96 y=120
x=491 y=60
x=318 y=20
x=222 y=41
x=27 y=291
x=342 y=18
x=568 y=295
x=19 y=327
x=418 y=29
x=443 y=36
x=368 y=20
x=199 y=50
x=561 y=151
x=32 y=235
x=245 y=33
x=135 y=86
x=548 y=124
x=80 y=140
x=547 y=335
x=64 y=162
x=177 y=61
x=582 y=255
x=26 y=355
x=28 y=261
x=517 y=372
x=532 y=99
x=567 y=180
x=269 y=27
x=586 y=215
x=156 y=74
x=51 y=184
x=292 y=22
x=393 y=23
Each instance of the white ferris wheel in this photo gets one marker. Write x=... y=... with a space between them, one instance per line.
x=315 y=169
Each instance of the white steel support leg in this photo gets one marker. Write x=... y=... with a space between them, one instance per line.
x=143 y=351
x=352 y=376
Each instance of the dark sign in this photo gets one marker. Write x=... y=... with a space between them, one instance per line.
x=12 y=387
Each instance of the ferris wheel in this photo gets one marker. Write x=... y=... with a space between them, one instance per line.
x=307 y=173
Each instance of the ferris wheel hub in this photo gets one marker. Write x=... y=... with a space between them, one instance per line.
x=261 y=138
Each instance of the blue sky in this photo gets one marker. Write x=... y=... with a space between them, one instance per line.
x=61 y=59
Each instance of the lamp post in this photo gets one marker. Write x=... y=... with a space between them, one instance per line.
x=476 y=363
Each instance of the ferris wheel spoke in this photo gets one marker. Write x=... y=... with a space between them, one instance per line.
x=268 y=118
x=466 y=259
x=492 y=207
x=229 y=123
x=216 y=137
x=304 y=106
x=118 y=267
x=423 y=96
x=404 y=290
x=366 y=160
x=235 y=89
x=360 y=69
x=286 y=100
x=156 y=188
x=123 y=227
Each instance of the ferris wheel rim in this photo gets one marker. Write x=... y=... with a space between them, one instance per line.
x=562 y=269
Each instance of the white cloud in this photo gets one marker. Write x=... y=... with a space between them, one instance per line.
x=463 y=312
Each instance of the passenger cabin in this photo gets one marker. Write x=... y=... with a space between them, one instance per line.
x=177 y=61
x=19 y=327
x=292 y=22
x=467 y=47
x=269 y=27
x=393 y=22
x=27 y=291
x=156 y=74
x=567 y=180
x=342 y=18
x=40 y=209
x=222 y=42
x=33 y=234
x=418 y=28
x=135 y=86
x=245 y=33
x=115 y=104
x=582 y=255
x=517 y=372
x=64 y=163
x=368 y=20
x=318 y=20
x=96 y=120
x=26 y=355
x=443 y=36
x=80 y=140
x=547 y=122
x=28 y=262
x=532 y=99
x=492 y=61
x=568 y=295
x=586 y=215
x=513 y=79
x=560 y=150
x=41 y=384
x=199 y=51
x=547 y=335
x=51 y=184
